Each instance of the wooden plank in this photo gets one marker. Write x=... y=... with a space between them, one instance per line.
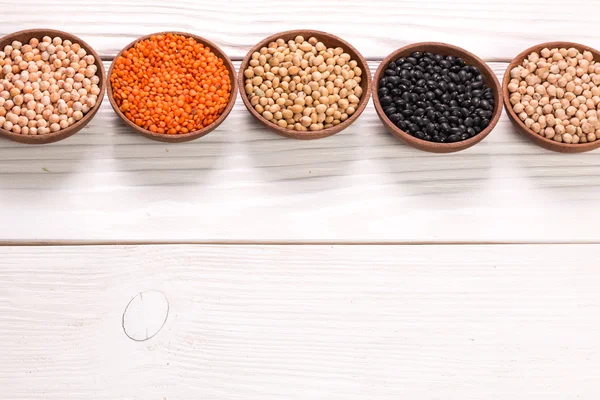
x=496 y=30
x=243 y=183
x=297 y=322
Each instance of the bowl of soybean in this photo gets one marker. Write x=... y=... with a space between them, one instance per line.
x=283 y=94
x=437 y=97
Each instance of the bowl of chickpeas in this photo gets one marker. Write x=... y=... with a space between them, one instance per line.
x=552 y=95
x=305 y=84
x=51 y=85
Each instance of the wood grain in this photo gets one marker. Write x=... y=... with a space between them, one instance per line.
x=243 y=183
x=495 y=30
x=297 y=322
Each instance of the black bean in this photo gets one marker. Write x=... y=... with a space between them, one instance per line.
x=399 y=103
x=445 y=64
x=396 y=117
x=386 y=101
x=390 y=110
x=436 y=97
x=393 y=79
x=419 y=112
x=406 y=74
x=486 y=105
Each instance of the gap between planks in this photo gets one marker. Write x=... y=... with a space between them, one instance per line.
x=369 y=59
x=61 y=243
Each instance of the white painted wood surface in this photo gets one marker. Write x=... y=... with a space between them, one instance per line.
x=297 y=322
x=300 y=322
x=243 y=183
x=497 y=30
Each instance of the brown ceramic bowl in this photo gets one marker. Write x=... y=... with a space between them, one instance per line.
x=536 y=138
x=24 y=37
x=446 y=50
x=328 y=40
x=184 y=137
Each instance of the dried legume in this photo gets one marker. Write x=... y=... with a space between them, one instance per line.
x=556 y=93
x=46 y=85
x=171 y=84
x=303 y=85
x=436 y=98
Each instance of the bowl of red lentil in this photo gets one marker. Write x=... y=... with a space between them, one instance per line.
x=172 y=86
x=305 y=84
x=52 y=84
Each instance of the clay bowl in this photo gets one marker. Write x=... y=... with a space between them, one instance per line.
x=328 y=40
x=184 y=137
x=446 y=50
x=524 y=130
x=24 y=37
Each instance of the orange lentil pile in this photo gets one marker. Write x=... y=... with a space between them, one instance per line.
x=171 y=84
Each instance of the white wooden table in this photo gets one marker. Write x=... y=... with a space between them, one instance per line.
x=266 y=268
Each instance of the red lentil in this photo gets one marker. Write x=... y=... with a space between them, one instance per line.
x=171 y=84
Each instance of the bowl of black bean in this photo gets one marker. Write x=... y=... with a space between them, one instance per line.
x=437 y=97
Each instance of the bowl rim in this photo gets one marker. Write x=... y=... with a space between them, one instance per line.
x=434 y=146
x=307 y=135
x=77 y=126
x=183 y=137
x=542 y=141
